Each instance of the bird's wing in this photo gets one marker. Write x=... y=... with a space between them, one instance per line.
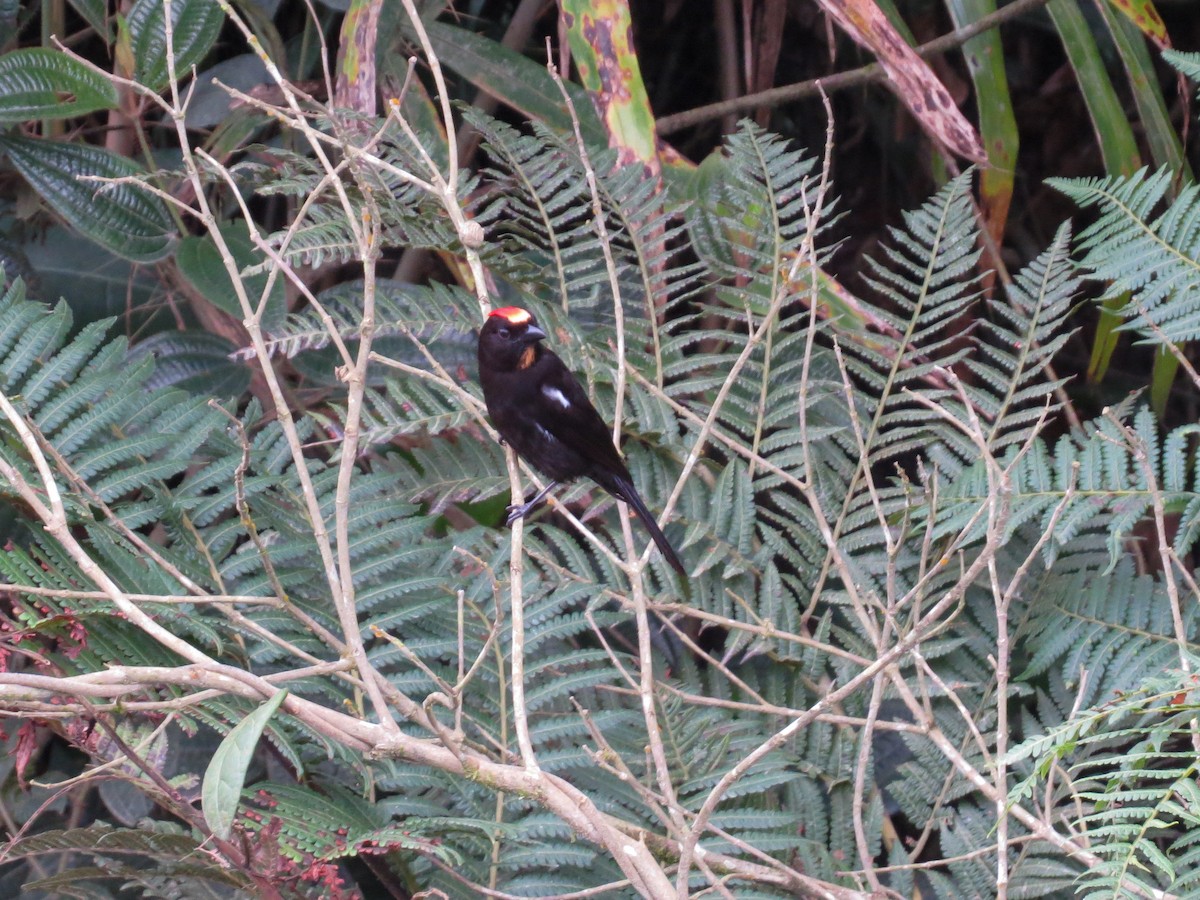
x=563 y=408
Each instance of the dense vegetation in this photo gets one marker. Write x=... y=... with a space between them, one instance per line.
x=932 y=472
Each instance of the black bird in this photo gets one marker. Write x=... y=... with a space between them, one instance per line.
x=543 y=413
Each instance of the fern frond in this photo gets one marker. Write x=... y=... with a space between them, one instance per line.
x=1151 y=257
x=1015 y=348
x=924 y=275
x=1135 y=793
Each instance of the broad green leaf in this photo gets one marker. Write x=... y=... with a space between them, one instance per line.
x=1113 y=129
x=38 y=83
x=195 y=25
x=1162 y=138
x=96 y=282
x=200 y=262
x=210 y=104
x=129 y=221
x=514 y=79
x=1113 y=132
x=225 y=775
x=96 y=15
x=997 y=124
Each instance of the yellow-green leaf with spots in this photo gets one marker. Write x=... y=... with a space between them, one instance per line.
x=1143 y=14
x=600 y=35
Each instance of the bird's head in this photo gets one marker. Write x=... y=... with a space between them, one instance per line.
x=508 y=339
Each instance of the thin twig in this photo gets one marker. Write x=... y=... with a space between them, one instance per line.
x=516 y=576
x=830 y=83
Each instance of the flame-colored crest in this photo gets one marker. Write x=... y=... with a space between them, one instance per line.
x=513 y=315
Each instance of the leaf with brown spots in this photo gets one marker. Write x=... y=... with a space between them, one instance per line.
x=602 y=47
x=356 y=58
x=1143 y=14
x=912 y=79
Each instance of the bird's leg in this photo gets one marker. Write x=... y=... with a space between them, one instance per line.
x=520 y=510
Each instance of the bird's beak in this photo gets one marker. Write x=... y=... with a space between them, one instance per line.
x=533 y=333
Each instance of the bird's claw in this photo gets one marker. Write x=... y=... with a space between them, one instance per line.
x=520 y=510
x=515 y=511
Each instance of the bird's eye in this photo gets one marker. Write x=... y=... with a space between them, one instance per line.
x=503 y=332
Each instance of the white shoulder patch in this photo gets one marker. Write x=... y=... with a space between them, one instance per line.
x=553 y=393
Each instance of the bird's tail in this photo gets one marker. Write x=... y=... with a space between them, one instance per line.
x=624 y=490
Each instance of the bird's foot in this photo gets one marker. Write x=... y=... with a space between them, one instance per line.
x=517 y=511
x=521 y=510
